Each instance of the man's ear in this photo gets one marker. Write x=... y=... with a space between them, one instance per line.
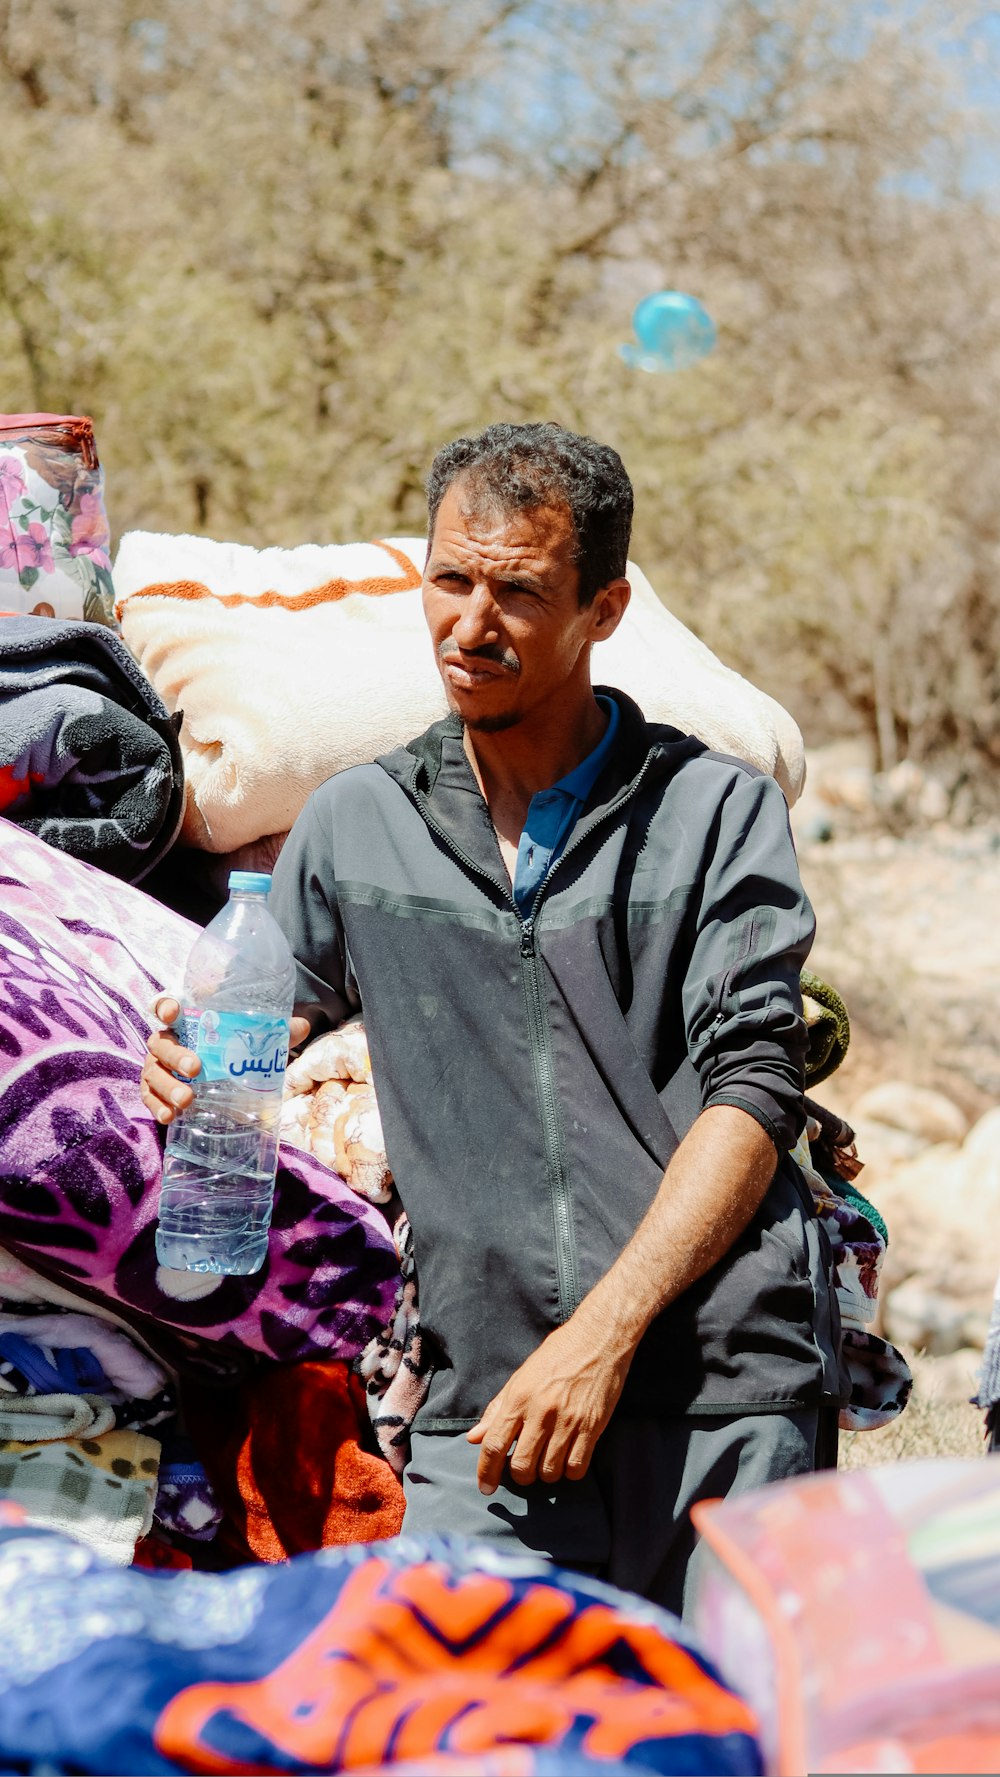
x=608 y=608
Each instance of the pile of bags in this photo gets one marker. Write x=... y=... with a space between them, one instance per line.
x=182 y=1421
x=89 y=755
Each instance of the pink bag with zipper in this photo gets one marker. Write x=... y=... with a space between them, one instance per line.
x=54 y=536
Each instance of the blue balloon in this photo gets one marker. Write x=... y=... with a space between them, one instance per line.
x=673 y=331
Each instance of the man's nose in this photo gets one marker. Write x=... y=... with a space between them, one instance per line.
x=478 y=624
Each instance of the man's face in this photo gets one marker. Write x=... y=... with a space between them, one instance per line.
x=501 y=601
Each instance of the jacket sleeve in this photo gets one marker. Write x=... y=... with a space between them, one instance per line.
x=304 y=902
x=754 y=927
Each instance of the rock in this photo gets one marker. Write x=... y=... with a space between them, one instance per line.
x=943 y=1215
x=976 y=1327
x=883 y=1148
x=818 y=829
x=901 y=785
x=918 y=1315
x=982 y=1144
x=948 y=1379
x=851 y=787
x=910 y=791
x=934 y=802
x=920 y=1112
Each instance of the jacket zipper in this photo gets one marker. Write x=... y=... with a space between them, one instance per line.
x=567 y=1268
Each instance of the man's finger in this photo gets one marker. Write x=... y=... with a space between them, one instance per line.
x=164 y=1088
x=299 y=1031
x=162 y=1112
x=578 y=1460
x=495 y=1448
x=552 y=1465
x=166 y=1009
x=532 y=1442
x=492 y=1462
x=165 y=1047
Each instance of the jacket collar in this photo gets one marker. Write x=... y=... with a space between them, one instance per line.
x=418 y=764
x=434 y=772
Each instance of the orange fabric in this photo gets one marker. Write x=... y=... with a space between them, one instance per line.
x=410 y=1661
x=331 y=590
x=284 y=1456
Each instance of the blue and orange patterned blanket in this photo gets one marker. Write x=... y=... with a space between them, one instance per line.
x=405 y=1655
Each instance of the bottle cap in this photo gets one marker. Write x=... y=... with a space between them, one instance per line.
x=249 y=882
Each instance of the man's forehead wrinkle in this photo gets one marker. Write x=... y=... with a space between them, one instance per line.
x=516 y=556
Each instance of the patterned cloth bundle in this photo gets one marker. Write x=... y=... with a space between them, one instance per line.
x=875 y=1376
x=79 y=1395
x=416 y=1655
x=95 y=1338
x=205 y=620
x=331 y=1110
x=988 y=1396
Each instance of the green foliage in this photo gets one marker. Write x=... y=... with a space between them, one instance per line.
x=281 y=252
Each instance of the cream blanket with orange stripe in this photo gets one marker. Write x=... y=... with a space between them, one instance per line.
x=290 y=664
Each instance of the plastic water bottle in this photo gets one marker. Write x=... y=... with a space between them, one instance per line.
x=222 y=1152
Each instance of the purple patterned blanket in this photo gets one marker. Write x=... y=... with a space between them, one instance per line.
x=82 y=956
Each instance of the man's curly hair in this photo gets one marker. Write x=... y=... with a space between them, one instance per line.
x=513 y=468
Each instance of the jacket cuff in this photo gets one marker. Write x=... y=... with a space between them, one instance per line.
x=782 y=1127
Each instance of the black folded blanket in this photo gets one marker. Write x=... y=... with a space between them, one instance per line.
x=89 y=757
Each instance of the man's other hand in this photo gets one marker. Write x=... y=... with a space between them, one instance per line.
x=554 y=1408
x=168 y=1065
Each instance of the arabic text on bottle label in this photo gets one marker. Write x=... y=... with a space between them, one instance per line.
x=249 y=1049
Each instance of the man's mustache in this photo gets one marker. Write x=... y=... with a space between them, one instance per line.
x=504 y=657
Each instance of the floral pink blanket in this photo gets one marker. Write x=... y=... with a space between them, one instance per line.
x=81 y=958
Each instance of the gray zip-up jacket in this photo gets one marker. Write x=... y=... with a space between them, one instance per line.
x=535 y=1075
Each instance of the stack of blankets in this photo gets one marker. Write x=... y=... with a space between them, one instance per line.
x=85 y=1407
x=106 y=1360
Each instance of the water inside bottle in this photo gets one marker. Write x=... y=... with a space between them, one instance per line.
x=217 y=1191
x=221 y=1153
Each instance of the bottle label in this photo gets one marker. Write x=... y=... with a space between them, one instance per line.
x=249 y=1049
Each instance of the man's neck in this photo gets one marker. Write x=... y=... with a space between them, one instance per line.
x=513 y=765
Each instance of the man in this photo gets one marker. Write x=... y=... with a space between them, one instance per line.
x=576 y=939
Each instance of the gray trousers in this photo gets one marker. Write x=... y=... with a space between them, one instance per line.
x=628 y=1521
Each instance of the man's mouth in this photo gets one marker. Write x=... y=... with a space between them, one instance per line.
x=470 y=672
